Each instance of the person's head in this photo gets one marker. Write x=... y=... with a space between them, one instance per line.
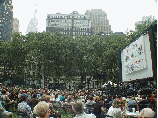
x=91 y=98
x=42 y=109
x=24 y=97
x=43 y=98
x=97 y=98
x=47 y=98
x=78 y=107
x=154 y=93
x=143 y=97
x=132 y=98
x=116 y=103
x=114 y=96
x=69 y=99
x=3 y=91
x=34 y=95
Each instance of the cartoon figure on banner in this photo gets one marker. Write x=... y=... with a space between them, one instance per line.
x=132 y=67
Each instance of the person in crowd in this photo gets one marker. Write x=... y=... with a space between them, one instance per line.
x=90 y=102
x=67 y=106
x=2 y=109
x=98 y=108
x=53 y=113
x=143 y=103
x=147 y=112
x=153 y=101
x=5 y=100
x=24 y=107
x=34 y=101
x=78 y=108
x=132 y=104
x=43 y=110
x=109 y=102
x=114 y=111
x=120 y=97
x=13 y=96
x=62 y=98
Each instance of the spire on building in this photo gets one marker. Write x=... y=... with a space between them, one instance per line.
x=33 y=24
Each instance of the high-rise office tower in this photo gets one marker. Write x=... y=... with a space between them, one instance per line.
x=6 y=19
x=15 y=25
x=99 y=21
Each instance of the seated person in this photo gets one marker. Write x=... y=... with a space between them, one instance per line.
x=89 y=105
x=98 y=108
x=114 y=111
x=132 y=104
x=90 y=102
x=147 y=112
x=143 y=103
x=24 y=107
x=68 y=105
x=34 y=101
x=2 y=109
x=6 y=102
x=43 y=110
x=78 y=108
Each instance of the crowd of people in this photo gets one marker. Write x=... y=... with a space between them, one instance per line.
x=43 y=103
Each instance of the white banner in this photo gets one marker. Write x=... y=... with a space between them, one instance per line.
x=134 y=56
x=136 y=60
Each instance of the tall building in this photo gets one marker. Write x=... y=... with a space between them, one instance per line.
x=6 y=18
x=15 y=25
x=33 y=24
x=99 y=20
x=69 y=24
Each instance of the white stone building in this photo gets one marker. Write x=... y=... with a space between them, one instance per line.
x=69 y=24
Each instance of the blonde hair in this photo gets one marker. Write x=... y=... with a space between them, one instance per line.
x=97 y=98
x=42 y=109
x=116 y=103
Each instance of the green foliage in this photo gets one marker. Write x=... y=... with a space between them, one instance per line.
x=60 y=57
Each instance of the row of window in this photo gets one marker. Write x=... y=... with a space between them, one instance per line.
x=74 y=29
x=79 y=16
x=75 y=33
x=69 y=25
x=63 y=21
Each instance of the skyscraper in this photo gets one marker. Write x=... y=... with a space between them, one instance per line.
x=99 y=21
x=33 y=24
x=15 y=25
x=6 y=18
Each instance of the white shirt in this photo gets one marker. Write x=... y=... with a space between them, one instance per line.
x=147 y=112
x=84 y=115
x=115 y=112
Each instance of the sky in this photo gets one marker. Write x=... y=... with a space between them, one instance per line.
x=122 y=14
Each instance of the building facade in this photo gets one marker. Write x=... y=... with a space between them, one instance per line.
x=69 y=24
x=15 y=25
x=99 y=20
x=6 y=19
x=33 y=24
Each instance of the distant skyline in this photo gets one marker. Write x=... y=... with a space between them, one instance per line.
x=122 y=14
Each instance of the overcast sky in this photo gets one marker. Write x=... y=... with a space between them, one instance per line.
x=122 y=14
